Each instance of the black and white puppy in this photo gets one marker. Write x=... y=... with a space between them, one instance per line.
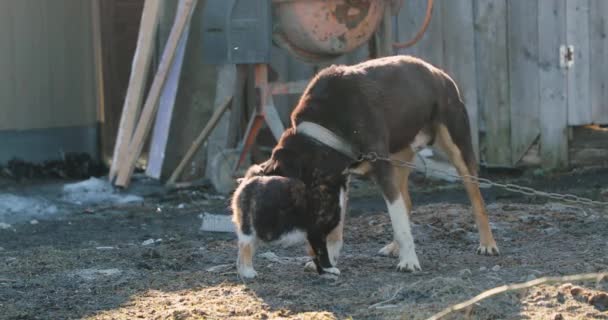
x=275 y=209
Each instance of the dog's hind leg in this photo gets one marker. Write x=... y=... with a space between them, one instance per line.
x=462 y=158
x=321 y=256
x=385 y=176
x=335 y=237
x=402 y=174
x=244 y=262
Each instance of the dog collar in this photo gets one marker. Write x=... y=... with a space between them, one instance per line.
x=326 y=137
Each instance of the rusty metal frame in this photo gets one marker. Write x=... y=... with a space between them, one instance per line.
x=265 y=109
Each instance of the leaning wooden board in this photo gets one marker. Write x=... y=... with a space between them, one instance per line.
x=135 y=91
x=144 y=125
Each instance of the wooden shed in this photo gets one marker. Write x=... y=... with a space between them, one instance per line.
x=48 y=84
x=529 y=71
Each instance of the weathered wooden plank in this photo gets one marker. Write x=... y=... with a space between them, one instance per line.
x=430 y=46
x=552 y=83
x=87 y=96
x=160 y=134
x=598 y=50
x=523 y=79
x=225 y=88
x=29 y=62
x=137 y=78
x=458 y=56
x=7 y=58
x=577 y=35
x=97 y=45
x=59 y=56
x=72 y=111
x=493 y=80
x=150 y=107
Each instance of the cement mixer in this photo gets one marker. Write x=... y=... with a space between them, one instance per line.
x=243 y=31
x=323 y=30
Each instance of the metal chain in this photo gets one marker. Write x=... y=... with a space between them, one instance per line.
x=569 y=198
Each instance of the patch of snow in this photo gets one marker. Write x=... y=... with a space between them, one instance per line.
x=12 y=205
x=34 y=221
x=95 y=191
x=5 y=226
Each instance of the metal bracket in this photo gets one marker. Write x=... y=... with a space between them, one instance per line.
x=566 y=56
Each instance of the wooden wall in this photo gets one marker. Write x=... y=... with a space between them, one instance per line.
x=505 y=54
x=47 y=75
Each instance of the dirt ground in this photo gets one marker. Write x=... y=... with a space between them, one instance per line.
x=150 y=260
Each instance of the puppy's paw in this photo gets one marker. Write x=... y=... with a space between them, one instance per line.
x=332 y=270
x=310 y=266
x=330 y=273
x=248 y=273
x=390 y=250
x=488 y=250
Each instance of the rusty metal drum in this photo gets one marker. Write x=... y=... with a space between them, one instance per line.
x=321 y=30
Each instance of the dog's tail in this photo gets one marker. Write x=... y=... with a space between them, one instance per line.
x=456 y=119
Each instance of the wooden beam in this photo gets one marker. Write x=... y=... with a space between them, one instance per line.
x=493 y=79
x=577 y=35
x=198 y=142
x=523 y=76
x=137 y=81
x=145 y=122
x=459 y=56
x=162 y=125
x=552 y=83
x=598 y=51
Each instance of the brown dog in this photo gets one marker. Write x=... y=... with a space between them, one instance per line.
x=390 y=106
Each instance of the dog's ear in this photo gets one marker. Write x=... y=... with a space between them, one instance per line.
x=284 y=162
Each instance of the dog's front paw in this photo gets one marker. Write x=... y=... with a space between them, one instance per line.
x=409 y=262
x=310 y=266
x=488 y=250
x=390 y=250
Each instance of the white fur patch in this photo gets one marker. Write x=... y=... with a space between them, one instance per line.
x=247 y=272
x=292 y=238
x=408 y=260
x=342 y=201
x=332 y=270
x=333 y=251
x=244 y=237
x=420 y=140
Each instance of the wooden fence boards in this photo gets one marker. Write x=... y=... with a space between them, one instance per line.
x=523 y=75
x=577 y=35
x=598 y=60
x=459 y=56
x=493 y=79
x=552 y=83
